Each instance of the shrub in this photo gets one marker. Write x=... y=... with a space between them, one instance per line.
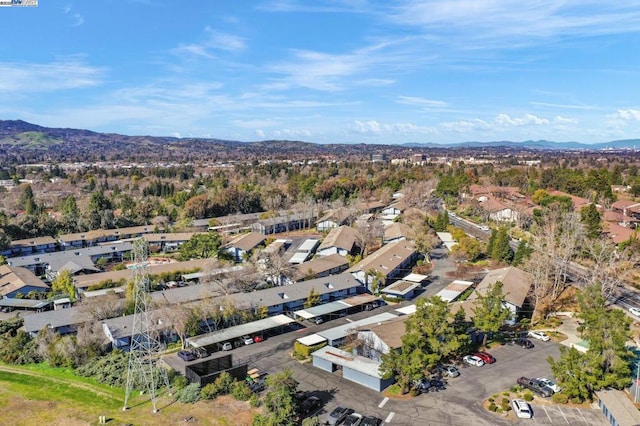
x=241 y=391
x=492 y=399
x=505 y=401
x=515 y=389
x=493 y=407
x=220 y=386
x=560 y=398
x=528 y=396
x=254 y=401
x=576 y=400
x=180 y=382
x=302 y=352
x=311 y=421
x=505 y=405
x=189 y=394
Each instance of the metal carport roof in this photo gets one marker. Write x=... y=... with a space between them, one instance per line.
x=320 y=310
x=341 y=331
x=239 y=331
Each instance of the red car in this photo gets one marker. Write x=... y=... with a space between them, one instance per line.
x=486 y=357
x=258 y=339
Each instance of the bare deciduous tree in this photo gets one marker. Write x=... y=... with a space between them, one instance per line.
x=103 y=307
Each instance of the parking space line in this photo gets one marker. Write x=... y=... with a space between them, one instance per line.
x=389 y=417
x=583 y=418
x=565 y=417
x=547 y=413
x=384 y=401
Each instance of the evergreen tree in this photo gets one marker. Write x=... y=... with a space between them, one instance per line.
x=590 y=217
x=279 y=401
x=490 y=314
x=501 y=249
x=492 y=241
x=432 y=335
x=607 y=362
x=522 y=253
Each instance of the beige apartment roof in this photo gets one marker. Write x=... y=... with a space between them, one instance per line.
x=343 y=237
x=33 y=242
x=248 y=241
x=387 y=258
x=13 y=278
x=515 y=284
x=390 y=331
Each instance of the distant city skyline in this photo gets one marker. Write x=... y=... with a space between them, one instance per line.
x=327 y=71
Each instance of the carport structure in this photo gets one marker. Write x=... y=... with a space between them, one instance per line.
x=210 y=341
x=333 y=307
x=355 y=368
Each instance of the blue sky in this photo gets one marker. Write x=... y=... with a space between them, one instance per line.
x=327 y=71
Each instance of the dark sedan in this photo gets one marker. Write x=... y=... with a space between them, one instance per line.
x=186 y=355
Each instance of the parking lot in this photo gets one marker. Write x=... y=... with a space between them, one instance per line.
x=459 y=403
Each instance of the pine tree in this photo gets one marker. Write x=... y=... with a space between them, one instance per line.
x=523 y=252
x=501 y=249
x=590 y=217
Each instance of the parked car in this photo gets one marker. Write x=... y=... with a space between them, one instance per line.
x=535 y=386
x=227 y=346
x=549 y=383
x=521 y=408
x=258 y=339
x=473 y=360
x=486 y=357
x=370 y=421
x=540 y=335
x=338 y=414
x=318 y=320
x=200 y=352
x=248 y=340
x=310 y=404
x=525 y=343
x=187 y=355
x=635 y=311
x=447 y=370
x=353 y=419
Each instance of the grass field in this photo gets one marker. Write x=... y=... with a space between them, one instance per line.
x=39 y=395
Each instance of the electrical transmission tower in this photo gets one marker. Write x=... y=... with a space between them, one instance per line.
x=144 y=352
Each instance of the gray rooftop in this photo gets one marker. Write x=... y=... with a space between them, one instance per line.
x=54 y=319
x=349 y=360
x=81 y=256
x=231 y=333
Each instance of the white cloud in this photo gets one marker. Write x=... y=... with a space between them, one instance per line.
x=564 y=120
x=77 y=18
x=629 y=114
x=414 y=100
x=48 y=77
x=260 y=134
x=370 y=126
x=292 y=133
x=499 y=122
x=252 y=124
x=528 y=119
x=213 y=41
x=563 y=106
x=488 y=23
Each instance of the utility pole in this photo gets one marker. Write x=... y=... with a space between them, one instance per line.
x=144 y=350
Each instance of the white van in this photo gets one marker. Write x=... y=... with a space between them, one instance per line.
x=521 y=408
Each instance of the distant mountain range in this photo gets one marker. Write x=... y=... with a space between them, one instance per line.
x=539 y=144
x=21 y=141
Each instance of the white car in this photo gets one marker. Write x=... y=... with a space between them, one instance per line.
x=248 y=340
x=550 y=384
x=521 y=408
x=635 y=311
x=540 y=335
x=473 y=360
